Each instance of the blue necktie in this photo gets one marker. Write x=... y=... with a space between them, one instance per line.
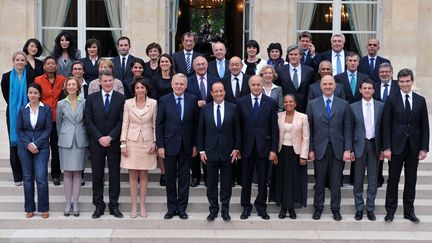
x=203 y=89
x=372 y=64
x=179 y=107
x=338 y=64
x=353 y=84
x=256 y=108
x=218 y=118
x=328 y=109
x=188 y=62
x=221 y=69
x=385 y=93
x=106 y=104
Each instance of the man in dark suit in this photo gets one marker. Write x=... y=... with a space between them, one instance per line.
x=103 y=117
x=218 y=145
x=176 y=142
x=310 y=57
x=122 y=62
x=260 y=138
x=337 y=54
x=385 y=88
x=330 y=143
x=370 y=63
x=406 y=141
x=199 y=85
x=220 y=66
x=295 y=78
x=366 y=152
x=315 y=91
x=183 y=59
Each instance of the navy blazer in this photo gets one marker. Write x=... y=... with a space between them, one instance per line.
x=342 y=78
x=311 y=62
x=193 y=87
x=393 y=90
x=364 y=67
x=219 y=143
x=180 y=62
x=171 y=132
x=38 y=135
x=212 y=68
x=91 y=72
x=117 y=68
x=261 y=133
x=328 y=56
x=229 y=94
x=315 y=91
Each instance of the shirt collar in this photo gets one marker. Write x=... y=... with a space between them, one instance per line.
x=292 y=67
x=104 y=93
x=199 y=77
x=40 y=104
x=325 y=98
x=369 y=57
x=191 y=52
x=181 y=96
x=239 y=76
x=253 y=96
x=222 y=104
x=364 y=102
x=126 y=56
x=403 y=94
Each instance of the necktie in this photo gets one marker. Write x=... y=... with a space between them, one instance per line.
x=179 y=107
x=328 y=109
x=353 y=84
x=295 y=79
x=304 y=56
x=407 y=106
x=221 y=69
x=338 y=64
x=372 y=64
x=256 y=108
x=203 y=89
x=106 y=104
x=123 y=67
x=368 y=121
x=385 y=93
x=218 y=118
x=188 y=62
x=237 y=91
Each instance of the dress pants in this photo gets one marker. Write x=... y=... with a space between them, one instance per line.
x=213 y=168
x=196 y=168
x=328 y=163
x=237 y=171
x=370 y=160
x=177 y=167
x=98 y=171
x=55 y=161
x=380 y=172
x=409 y=160
x=261 y=165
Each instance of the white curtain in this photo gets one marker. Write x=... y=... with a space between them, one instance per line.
x=172 y=20
x=54 y=15
x=305 y=13
x=113 y=9
x=362 y=17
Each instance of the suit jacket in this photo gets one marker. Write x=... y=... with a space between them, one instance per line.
x=91 y=71
x=219 y=143
x=338 y=131
x=64 y=68
x=276 y=94
x=38 y=135
x=261 y=132
x=71 y=124
x=397 y=128
x=212 y=69
x=299 y=133
x=342 y=78
x=312 y=62
x=171 y=132
x=393 y=90
x=180 y=62
x=193 y=87
x=284 y=80
x=118 y=73
x=136 y=123
x=359 y=128
x=315 y=91
x=99 y=123
x=229 y=94
x=328 y=56
x=364 y=67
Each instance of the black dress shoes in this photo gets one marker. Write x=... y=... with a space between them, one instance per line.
x=359 y=215
x=337 y=216
x=412 y=217
x=211 y=216
x=371 y=216
x=56 y=181
x=264 y=215
x=98 y=213
x=194 y=182
x=292 y=213
x=225 y=216
x=282 y=213
x=116 y=213
x=169 y=215
x=245 y=214
x=183 y=215
x=316 y=214
x=389 y=218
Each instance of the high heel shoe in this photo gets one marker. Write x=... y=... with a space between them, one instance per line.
x=143 y=213
x=67 y=211
x=76 y=211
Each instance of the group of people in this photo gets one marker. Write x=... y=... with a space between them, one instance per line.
x=238 y=121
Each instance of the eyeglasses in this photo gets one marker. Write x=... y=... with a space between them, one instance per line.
x=372 y=44
x=77 y=69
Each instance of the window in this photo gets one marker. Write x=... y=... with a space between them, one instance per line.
x=247 y=22
x=85 y=19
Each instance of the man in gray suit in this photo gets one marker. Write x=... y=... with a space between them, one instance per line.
x=366 y=118
x=330 y=143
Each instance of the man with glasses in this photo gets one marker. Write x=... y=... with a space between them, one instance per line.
x=370 y=63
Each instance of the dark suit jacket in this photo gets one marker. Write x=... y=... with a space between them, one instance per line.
x=364 y=67
x=171 y=131
x=328 y=56
x=397 y=128
x=229 y=94
x=117 y=68
x=315 y=91
x=193 y=87
x=99 y=123
x=393 y=90
x=284 y=80
x=212 y=69
x=38 y=135
x=312 y=62
x=338 y=131
x=91 y=72
x=219 y=143
x=180 y=62
x=359 y=128
x=342 y=78
x=261 y=133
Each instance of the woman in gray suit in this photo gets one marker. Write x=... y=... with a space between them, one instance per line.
x=72 y=142
x=270 y=89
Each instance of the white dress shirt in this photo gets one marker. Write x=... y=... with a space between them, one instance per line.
x=222 y=111
x=334 y=62
x=368 y=119
x=298 y=68
x=34 y=114
x=234 y=82
x=253 y=99
x=409 y=98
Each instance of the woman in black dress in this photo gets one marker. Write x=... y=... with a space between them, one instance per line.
x=34 y=67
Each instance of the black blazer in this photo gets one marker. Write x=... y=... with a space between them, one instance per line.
x=117 y=68
x=328 y=56
x=212 y=69
x=40 y=134
x=32 y=73
x=193 y=87
x=99 y=123
x=393 y=90
x=171 y=132
x=229 y=94
x=91 y=72
x=180 y=62
x=397 y=128
x=262 y=132
x=5 y=87
x=364 y=67
x=284 y=80
x=342 y=78
x=219 y=143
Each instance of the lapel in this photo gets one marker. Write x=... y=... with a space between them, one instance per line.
x=323 y=110
x=26 y=118
x=135 y=109
x=40 y=117
x=401 y=104
x=281 y=122
x=333 y=107
x=212 y=118
x=359 y=108
x=375 y=110
x=288 y=75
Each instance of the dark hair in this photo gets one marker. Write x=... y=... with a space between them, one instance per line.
x=153 y=45
x=367 y=81
x=106 y=73
x=252 y=43
x=352 y=54
x=142 y=80
x=217 y=82
x=405 y=72
x=291 y=95
x=90 y=42
x=36 y=86
x=189 y=34
x=78 y=63
x=172 y=72
x=305 y=34
x=273 y=46
x=38 y=46
x=49 y=57
x=123 y=38
x=137 y=60
x=58 y=50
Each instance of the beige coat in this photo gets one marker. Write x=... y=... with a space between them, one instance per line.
x=133 y=123
x=299 y=133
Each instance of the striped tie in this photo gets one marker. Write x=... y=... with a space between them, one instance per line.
x=188 y=62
